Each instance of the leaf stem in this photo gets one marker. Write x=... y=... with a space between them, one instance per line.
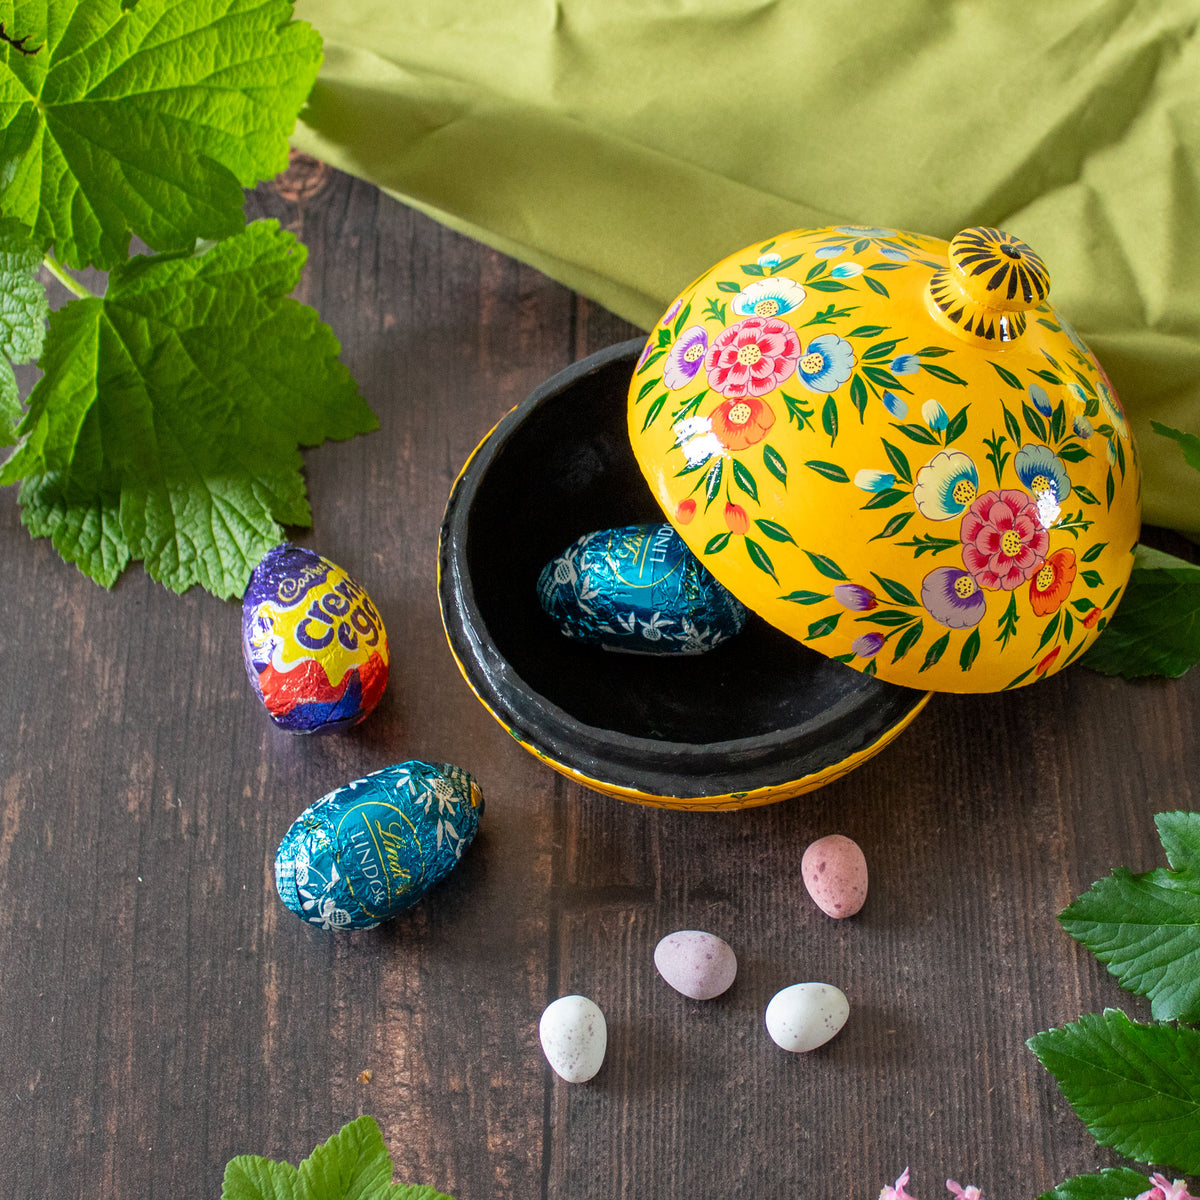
x=69 y=282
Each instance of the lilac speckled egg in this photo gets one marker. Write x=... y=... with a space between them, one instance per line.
x=806 y=1015
x=698 y=964
x=834 y=871
x=574 y=1037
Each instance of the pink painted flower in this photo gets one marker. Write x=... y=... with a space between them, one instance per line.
x=1165 y=1190
x=752 y=357
x=971 y=1192
x=898 y=1190
x=1004 y=541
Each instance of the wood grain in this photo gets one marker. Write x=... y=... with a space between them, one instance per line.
x=160 y=1011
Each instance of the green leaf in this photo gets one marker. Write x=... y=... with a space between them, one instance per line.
x=354 y=1164
x=1011 y=427
x=829 y=470
x=886 y=499
x=712 y=481
x=1093 y=552
x=1136 y=1087
x=897 y=592
x=826 y=566
x=906 y=641
x=957 y=425
x=943 y=373
x=970 y=649
x=1007 y=376
x=744 y=479
x=774 y=531
x=23 y=306
x=167 y=423
x=760 y=558
x=894 y=526
x=1146 y=927
x=918 y=433
x=1112 y=1183
x=717 y=544
x=149 y=117
x=806 y=597
x=1074 y=452
x=1189 y=442
x=875 y=285
x=823 y=626
x=935 y=652
x=858 y=395
x=1156 y=628
x=653 y=411
x=898 y=460
x=829 y=418
x=1035 y=421
x=774 y=463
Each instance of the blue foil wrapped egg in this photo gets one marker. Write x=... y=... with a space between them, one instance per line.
x=313 y=642
x=638 y=589
x=368 y=850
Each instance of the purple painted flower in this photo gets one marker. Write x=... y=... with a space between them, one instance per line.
x=685 y=357
x=855 y=597
x=669 y=315
x=953 y=598
x=868 y=645
x=1083 y=427
x=905 y=364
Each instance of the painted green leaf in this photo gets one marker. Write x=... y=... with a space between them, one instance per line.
x=1084 y=494
x=894 y=526
x=957 y=425
x=774 y=531
x=712 y=482
x=865 y=331
x=886 y=499
x=1135 y=1086
x=774 y=463
x=897 y=591
x=760 y=558
x=826 y=566
x=1109 y=488
x=888 y=617
x=1093 y=552
x=823 y=626
x=934 y=653
x=918 y=433
x=717 y=544
x=1007 y=376
x=829 y=470
x=969 y=651
x=167 y=423
x=1058 y=422
x=653 y=411
x=1146 y=927
x=898 y=460
x=805 y=597
x=726 y=286
x=876 y=286
x=1156 y=628
x=943 y=373
x=908 y=639
x=1035 y=422
x=149 y=117
x=1048 y=376
x=1011 y=427
x=829 y=418
x=1092 y=578
x=744 y=479
x=858 y=395
x=1074 y=452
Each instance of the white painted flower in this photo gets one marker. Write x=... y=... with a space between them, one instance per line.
x=768 y=297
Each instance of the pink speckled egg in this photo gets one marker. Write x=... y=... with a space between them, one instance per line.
x=835 y=873
x=698 y=964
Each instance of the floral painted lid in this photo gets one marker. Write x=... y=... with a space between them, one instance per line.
x=895 y=450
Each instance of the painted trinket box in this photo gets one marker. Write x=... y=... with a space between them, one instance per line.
x=891 y=449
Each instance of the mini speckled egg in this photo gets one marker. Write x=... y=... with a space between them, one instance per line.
x=372 y=848
x=834 y=871
x=313 y=642
x=806 y=1015
x=574 y=1037
x=700 y=965
x=638 y=589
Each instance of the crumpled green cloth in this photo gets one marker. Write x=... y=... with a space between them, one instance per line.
x=623 y=146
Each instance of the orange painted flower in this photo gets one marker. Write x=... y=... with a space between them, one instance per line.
x=685 y=510
x=741 y=421
x=1089 y=622
x=1052 y=583
x=1044 y=665
x=736 y=518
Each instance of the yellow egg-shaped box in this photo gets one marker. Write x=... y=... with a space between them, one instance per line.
x=895 y=450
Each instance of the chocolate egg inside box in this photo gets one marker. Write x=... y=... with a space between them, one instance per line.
x=313 y=642
x=367 y=851
x=757 y=718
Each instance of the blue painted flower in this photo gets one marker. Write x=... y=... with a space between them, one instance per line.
x=953 y=598
x=892 y=251
x=826 y=364
x=905 y=364
x=1042 y=471
x=829 y=251
x=1112 y=410
x=769 y=261
x=685 y=357
x=1082 y=427
x=846 y=270
x=934 y=415
x=1040 y=400
x=874 y=481
x=946 y=485
x=896 y=405
x=768 y=297
x=1110 y=452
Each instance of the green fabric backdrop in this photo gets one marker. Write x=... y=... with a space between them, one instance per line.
x=623 y=146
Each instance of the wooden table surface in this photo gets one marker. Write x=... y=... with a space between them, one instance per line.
x=160 y=1011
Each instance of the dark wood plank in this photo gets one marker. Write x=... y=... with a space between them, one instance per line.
x=161 y=1012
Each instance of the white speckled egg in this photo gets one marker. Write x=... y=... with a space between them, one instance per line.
x=806 y=1015
x=574 y=1037
x=700 y=965
x=834 y=871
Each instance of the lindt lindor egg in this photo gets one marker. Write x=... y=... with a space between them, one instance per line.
x=367 y=851
x=699 y=965
x=806 y=1015
x=574 y=1037
x=834 y=870
x=313 y=642
x=638 y=589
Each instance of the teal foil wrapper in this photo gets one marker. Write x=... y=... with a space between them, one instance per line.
x=371 y=849
x=638 y=589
